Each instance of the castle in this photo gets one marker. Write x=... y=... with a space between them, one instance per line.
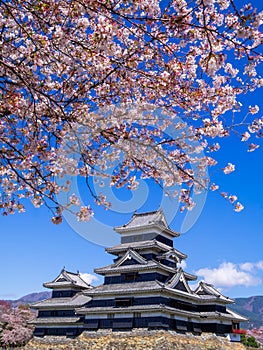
x=144 y=287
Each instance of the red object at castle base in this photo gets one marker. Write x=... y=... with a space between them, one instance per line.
x=239 y=331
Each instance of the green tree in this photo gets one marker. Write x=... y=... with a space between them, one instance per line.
x=249 y=341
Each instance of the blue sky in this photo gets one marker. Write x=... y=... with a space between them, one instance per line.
x=223 y=247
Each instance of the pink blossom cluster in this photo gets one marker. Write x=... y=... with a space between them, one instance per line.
x=16 y=331
x=63 y=61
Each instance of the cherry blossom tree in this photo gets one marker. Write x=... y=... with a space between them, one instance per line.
x=4 y=307
x=85 y=78
x=16 y=331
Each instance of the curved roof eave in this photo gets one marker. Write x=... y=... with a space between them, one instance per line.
x=121 y=229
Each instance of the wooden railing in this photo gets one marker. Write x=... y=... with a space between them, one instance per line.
x=239 y=331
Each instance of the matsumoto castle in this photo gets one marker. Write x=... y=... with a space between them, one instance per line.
x=143 y=288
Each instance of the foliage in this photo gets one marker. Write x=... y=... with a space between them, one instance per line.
x=249 y=341
x=16 y=331
x=85 y=77
x=4 y=307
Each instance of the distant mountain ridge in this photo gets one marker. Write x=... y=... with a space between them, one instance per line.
x=252 y=308
x=30 y=298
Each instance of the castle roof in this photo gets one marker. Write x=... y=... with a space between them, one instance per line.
x=182 y=277
x=149 y=265
x=55 y=320
x=140 y=221
x=125 y=288
x=119 y=289
x=67 y=279
x=170 y=287
x=228 y=315
x=143 y=245
x=173 y=254
x=136 y=263
x=70 y=302
x=237 y=316
x=207 y=290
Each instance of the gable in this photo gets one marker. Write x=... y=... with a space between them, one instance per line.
x=131 y=258
x=130 y=262
x=61 y=279
x=208 y=289
x=180 y=286
x=179 y=282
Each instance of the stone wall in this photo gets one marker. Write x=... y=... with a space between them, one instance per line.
x=141 y=340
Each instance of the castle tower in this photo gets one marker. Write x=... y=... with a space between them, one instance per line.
x=145 y=286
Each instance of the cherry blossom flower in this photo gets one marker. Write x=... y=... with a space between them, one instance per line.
x=229 y=168
x=74 y=199
x=214 y=187
x=238 y=207
x=232 y=198
x=245 y=136
x=254 y=109
x=56 y=220
x=80 y=86
x=84 y=214
x=252 y=147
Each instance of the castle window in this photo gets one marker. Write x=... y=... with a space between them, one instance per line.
x=130 y=277
x=121 y=302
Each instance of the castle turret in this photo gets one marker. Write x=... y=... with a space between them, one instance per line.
x=56 y=315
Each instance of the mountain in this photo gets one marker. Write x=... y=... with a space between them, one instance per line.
x=30 y=298
x=252 y=308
